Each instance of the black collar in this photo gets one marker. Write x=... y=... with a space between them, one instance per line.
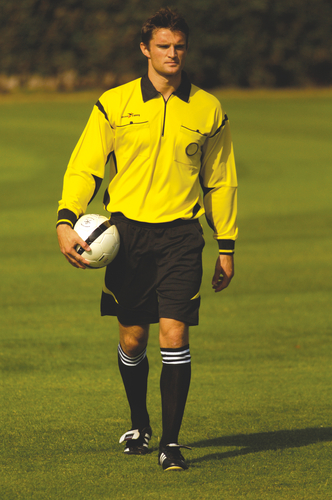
x=149 y=92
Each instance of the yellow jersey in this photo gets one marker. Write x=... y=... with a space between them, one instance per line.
x=167 y=160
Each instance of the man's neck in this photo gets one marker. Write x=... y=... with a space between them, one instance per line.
x=165 y=85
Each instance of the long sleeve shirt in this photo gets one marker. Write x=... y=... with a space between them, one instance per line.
x=167 y=160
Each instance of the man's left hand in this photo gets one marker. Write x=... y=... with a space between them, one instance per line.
x=224 y=272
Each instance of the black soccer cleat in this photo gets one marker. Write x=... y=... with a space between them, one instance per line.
x=170 y=457
x=137 y=441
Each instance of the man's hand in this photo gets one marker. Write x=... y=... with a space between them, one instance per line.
x=68 y=239
x=224 y=272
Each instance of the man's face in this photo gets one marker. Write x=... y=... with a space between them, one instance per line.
x=166 y=52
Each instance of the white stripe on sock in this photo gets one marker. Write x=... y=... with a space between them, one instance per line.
x=176 y=357
x=131 y=361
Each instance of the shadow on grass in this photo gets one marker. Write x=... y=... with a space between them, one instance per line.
x=264 y=441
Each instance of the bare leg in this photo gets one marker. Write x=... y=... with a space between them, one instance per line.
x=173 y=333
x=133 y=339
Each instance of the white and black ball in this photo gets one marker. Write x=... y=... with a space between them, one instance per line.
x=101 y=236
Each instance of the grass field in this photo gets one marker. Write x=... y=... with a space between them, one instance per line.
x=259 y=411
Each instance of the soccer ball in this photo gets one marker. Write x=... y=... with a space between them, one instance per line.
x=101 y=236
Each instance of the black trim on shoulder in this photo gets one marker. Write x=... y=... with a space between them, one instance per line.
x=101 y=109
x=224 y=120
x=150 y=92
x=221 y=126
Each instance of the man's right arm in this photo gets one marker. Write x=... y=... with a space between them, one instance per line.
x=86 y=168
x=82 y=180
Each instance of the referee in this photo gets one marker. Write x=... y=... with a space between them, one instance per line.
x=170 y=156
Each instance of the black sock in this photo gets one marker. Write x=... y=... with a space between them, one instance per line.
x=174 y=387
x=134 y=372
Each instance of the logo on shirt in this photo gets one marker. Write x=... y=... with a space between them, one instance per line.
x=129 y=115
x=192 y=149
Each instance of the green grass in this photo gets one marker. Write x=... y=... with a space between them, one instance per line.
x=259 y=410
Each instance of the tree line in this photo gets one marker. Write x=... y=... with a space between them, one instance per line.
x=72 y=44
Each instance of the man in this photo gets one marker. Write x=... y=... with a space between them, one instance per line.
x=165 y=139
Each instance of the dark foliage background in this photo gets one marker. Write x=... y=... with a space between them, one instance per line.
x=67 y=44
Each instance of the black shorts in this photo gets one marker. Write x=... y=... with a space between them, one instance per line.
x=156 y=274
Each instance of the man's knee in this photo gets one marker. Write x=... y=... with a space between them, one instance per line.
x=173 y=333
x=133 y=338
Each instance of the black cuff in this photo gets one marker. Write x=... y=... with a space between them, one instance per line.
x=226 y=246
x=66 y=216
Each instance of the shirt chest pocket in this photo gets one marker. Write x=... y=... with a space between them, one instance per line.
x=188 y=147
x=133 y=140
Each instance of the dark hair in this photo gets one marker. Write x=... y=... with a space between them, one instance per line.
x=164 y=18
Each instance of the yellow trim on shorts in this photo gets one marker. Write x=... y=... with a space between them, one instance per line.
x=195 y=296
x=106 y=290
